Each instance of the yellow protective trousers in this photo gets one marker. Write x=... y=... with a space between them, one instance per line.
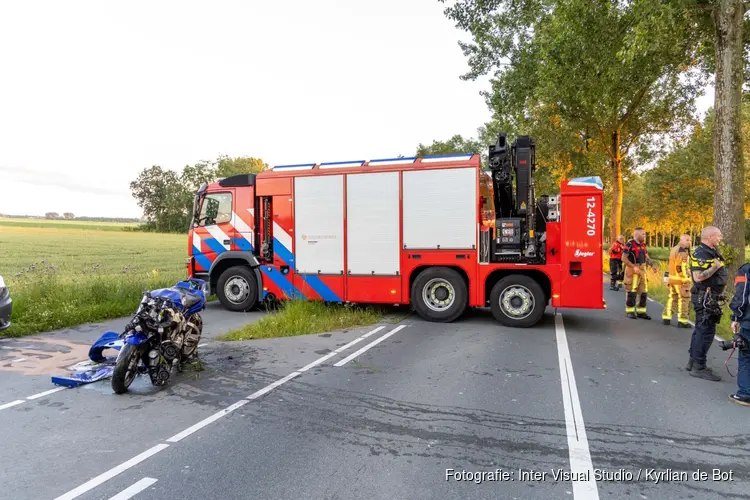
x=635 y=285
x=678 y=298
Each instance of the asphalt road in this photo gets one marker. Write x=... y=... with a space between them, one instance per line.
x=586 y=392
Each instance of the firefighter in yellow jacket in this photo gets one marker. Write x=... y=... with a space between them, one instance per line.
x=679 y=284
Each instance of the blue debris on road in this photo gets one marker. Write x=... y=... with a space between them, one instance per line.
x=97 y=367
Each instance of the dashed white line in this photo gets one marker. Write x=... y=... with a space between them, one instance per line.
x=360 y=339
x=18 y=360
x=134 y=489
x=201 y=345
x=101 y=478
x=368 y=346
x=578 y=446
x=273 y=386
x=342 y=348
x=11 y=404
x=206 y=421
x=46 y=393
x=203 y=423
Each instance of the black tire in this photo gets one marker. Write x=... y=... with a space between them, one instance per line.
x=189 y=348
x=429 y=290
x=237 y=289
x=523 y=288
x=121 y=378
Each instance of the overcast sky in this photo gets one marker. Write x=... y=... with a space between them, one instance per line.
x=93 y=92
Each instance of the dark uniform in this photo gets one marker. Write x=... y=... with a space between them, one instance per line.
x=635 y=283
x=740 y=306
x=703 y=297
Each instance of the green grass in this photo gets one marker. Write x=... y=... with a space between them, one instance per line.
x=61 y=277
x=659 y=292
x=299 y=317
x=63 y=224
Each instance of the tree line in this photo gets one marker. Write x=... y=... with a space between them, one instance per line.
x=608 y=88
x=166 y=196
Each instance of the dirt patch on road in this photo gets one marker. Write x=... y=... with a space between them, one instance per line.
x=37 y=356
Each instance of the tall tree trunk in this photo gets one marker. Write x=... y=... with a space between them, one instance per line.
x=729 y=173
x=615 y=222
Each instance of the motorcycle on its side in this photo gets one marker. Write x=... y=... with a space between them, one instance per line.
x=163 y=333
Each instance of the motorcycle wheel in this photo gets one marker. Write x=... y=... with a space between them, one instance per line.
x=126 y=368
x=191 y=343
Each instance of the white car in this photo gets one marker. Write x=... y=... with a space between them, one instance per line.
x=6 y=305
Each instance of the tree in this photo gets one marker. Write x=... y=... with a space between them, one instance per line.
x=164 y=198
x=719 y=31
x=727 y=138
x=455 y=145
x=52 y=215
x=227 y=166
x=69 y=215
x=568 y=58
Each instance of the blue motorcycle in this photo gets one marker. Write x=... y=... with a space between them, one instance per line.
x=163 y=333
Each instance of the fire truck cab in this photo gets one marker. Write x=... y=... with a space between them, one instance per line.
x=403 y=231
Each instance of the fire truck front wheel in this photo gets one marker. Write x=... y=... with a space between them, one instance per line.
x=517 y=301
x=237 y=289
x=439 y=294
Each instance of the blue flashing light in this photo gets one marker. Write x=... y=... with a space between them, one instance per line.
x=412 y=158
x=343 y=162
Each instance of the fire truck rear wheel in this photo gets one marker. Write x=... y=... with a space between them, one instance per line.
x=439 y=294
x=518 y=301
x=237 y=289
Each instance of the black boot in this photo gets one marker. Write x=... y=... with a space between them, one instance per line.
x=632 y=316
x=666 y=322
x=643 y=316
x=700 y=371
x=683 y=325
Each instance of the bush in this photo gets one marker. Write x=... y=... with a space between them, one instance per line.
x=49 y=302
x=301 y=317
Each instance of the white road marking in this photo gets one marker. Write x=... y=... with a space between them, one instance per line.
x=368 y=346
x=101 y=478
x=201 y=345
x=360 y=339
x=273 y=386
x=46 y=393
x=18 y=360
x=216 y=416
x=11 y=404
x=93 y=483
x=134 y=489
x=337 y=351
x=578 y=446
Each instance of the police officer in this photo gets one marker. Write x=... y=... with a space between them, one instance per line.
x=635 y=257
x=709 y=280
x=740 y=306
x=615 y=262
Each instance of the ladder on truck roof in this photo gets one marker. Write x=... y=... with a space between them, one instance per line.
x=377 y=162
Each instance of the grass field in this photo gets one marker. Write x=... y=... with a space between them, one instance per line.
x=62 y=274
x=62 y=224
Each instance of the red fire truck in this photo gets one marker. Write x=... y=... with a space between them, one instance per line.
x=403 y=231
